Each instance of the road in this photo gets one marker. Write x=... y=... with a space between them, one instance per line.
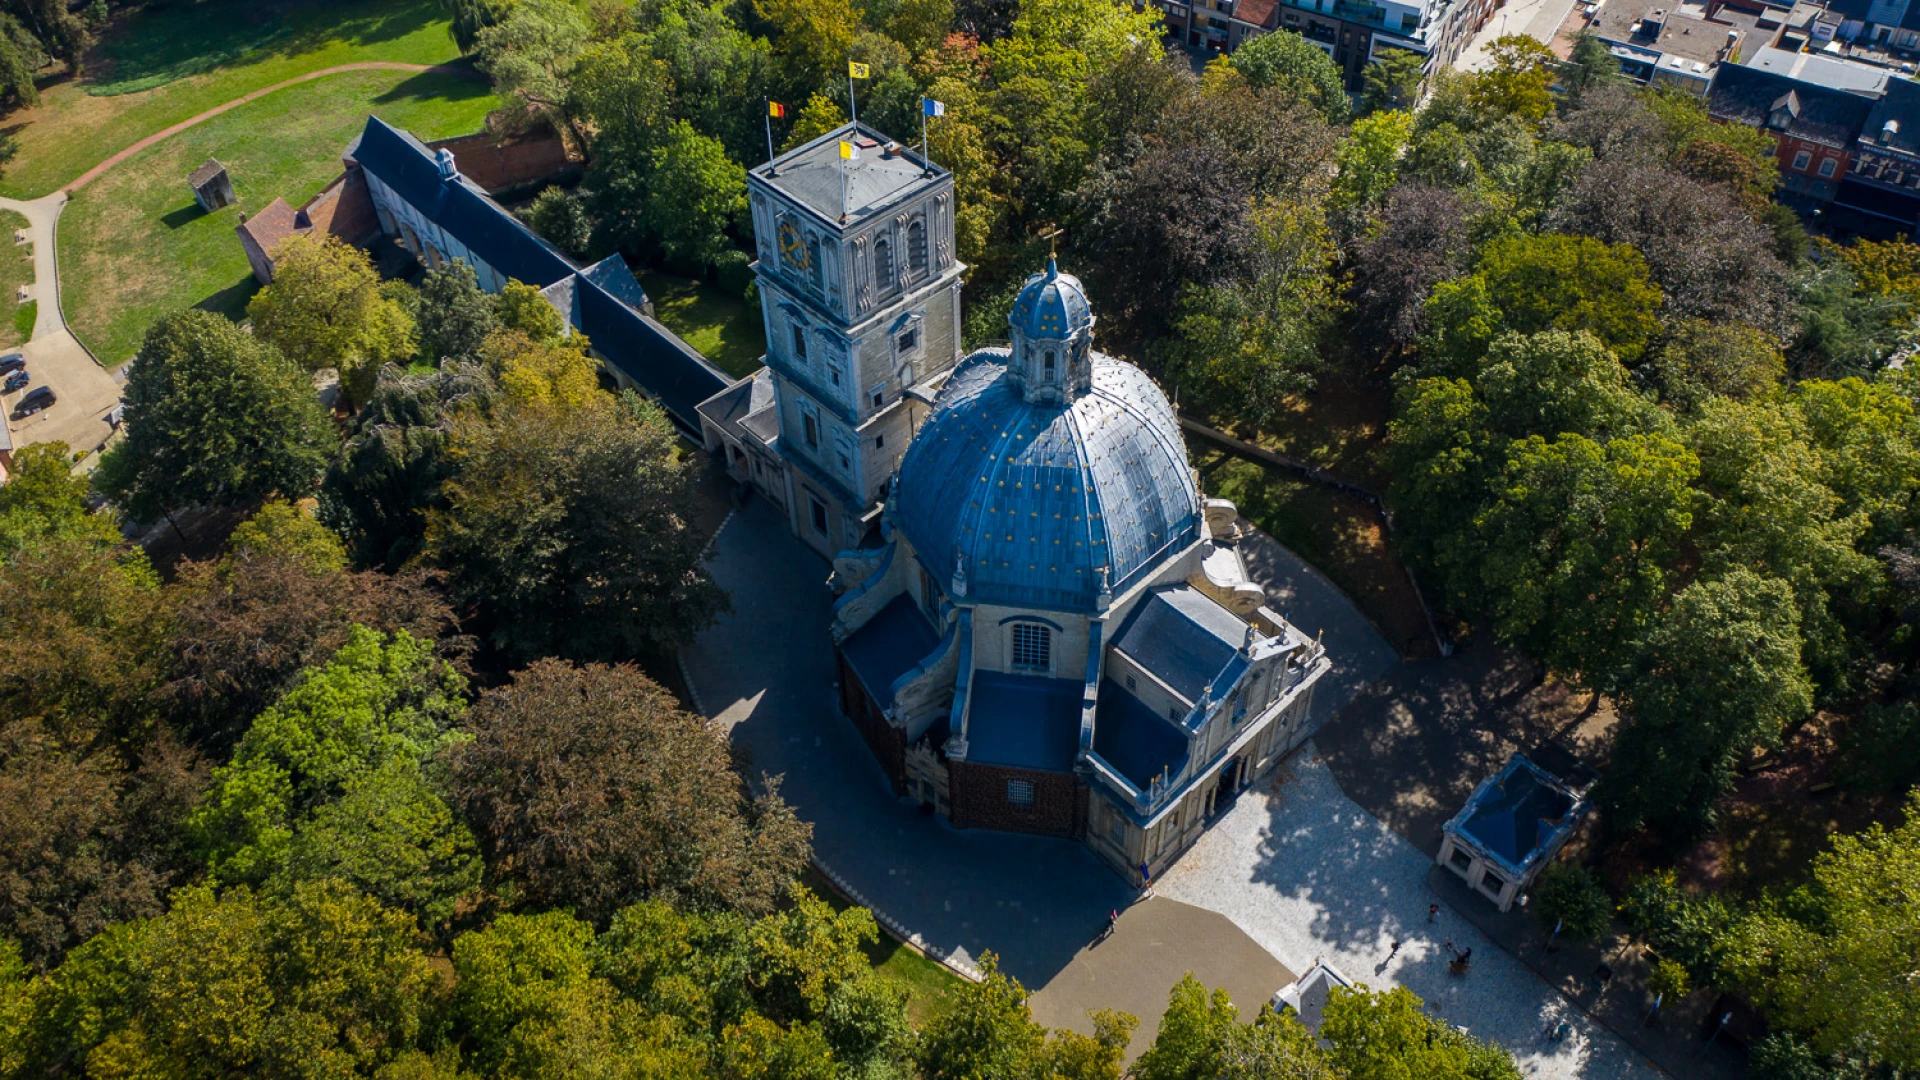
x=87 y=392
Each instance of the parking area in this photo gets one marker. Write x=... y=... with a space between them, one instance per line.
x=86 y=394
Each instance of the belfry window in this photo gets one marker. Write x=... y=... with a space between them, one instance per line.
x=917 y=247
x=1032 y=648
x=1047 y=366
x=813 y=261
x=882 y=264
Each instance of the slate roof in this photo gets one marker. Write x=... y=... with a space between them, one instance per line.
x=811 y=174
x=598 y=298
x=1751 y=97
x=206 y=172
x=1517 y=814
x=1307 y=996
x=1042 y=498
x=1900 y=106
x=746 y=400
x=1023 y=721
x=888 y=645
x=1136 y=740
x=1186 y=639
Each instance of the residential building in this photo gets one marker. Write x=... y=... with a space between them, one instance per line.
x=1883 y=176
x=1353 y=32
x=1665 y=46
x=1813 y=127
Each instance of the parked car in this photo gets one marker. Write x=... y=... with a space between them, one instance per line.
x=12 y=362
x=37 y=399
x=15 y=381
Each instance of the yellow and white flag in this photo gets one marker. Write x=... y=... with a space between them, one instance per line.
x=849 y=151
x=856 y=71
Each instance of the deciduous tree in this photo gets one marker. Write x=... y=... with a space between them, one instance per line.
x=592 y=789
x=454 y=316
x=325 y=309
x=1295 y=66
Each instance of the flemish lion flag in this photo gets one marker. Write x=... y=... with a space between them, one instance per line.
x=849 y=151
x=776 y=110
x=856 y=70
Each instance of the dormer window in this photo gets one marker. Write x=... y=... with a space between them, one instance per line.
x=1047 y=366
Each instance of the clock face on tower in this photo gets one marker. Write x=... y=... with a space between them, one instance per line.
x=793 y=247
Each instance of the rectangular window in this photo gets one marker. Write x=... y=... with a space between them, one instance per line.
x=819 y=511
x=1132 y=684
x=1020 y=793
x=909 y=339
x=800 y=343
x=1801 y=160
x=1828 y=166
x=845 y=465
x=879 y=442
x=812 y=427
x=1032 y=647
x=879 y=397
x=1461 y=860
x=1116 y=828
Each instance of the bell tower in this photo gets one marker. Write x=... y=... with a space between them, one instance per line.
x=860 y=293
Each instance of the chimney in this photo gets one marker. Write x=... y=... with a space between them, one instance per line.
x=443 y=158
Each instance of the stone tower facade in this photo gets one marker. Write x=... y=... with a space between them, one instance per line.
x=860 y=293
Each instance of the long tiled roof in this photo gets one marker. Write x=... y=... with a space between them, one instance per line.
x=645 y=351
x=1042 y=499
x=1186 y=639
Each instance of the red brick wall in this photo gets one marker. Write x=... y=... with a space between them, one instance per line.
x=497 y=166
x=979 y=800
x=888 y=742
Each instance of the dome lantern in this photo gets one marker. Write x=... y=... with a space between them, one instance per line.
x=1052 y=333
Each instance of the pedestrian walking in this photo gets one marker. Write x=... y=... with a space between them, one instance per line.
x=1146 y=882
x=1432 y=910
x=1113 y=922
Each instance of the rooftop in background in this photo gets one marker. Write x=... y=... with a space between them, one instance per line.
x=884 y=172
x=1894 y=123
x=1662 y=28
x=1517 y=815
x=1307 y=995
x=1756 y=98
x=1830 y=72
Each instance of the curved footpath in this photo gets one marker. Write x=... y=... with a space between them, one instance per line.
x=1296 y=865
x=90 y=175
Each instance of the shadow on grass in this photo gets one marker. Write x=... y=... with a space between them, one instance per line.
x=232 y=300
x=465 y=84
x=188 y=213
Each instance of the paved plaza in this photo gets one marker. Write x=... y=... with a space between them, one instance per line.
x=1298 y=867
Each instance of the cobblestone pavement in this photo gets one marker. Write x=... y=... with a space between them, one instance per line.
x=1309 y=875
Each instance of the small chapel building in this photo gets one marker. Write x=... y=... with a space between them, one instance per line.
x=1040 y=624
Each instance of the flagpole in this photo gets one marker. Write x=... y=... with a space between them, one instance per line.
x=769 y=119
x=843 y=175
x=852 y=113
x=926 y=163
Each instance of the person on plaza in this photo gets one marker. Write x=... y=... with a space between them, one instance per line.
x=1146 y=882
x=1113 y=922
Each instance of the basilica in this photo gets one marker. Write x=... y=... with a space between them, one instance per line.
x=1040 y=623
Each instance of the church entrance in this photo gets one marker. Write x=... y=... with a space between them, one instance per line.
x=1227 y=788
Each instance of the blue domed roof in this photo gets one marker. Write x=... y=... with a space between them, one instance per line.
x=1041 y=497
x=1051 y=305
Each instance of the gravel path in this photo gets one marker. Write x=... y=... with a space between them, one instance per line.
x=1309 y=874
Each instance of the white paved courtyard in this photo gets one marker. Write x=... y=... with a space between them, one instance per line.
x=1308 y=874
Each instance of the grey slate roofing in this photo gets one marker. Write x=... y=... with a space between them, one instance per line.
x=811 y=174
x=1515 y=814
x=1186 y=639
x=1900 y=106
x=1827 y=71
x=1043 y=499
x=1307 y=996
x=645 y=351
x=1023 y=721
x=1752 y=97
x=613 y=275
x=1136 y=740
x=888 y=645
x=734 y=406
x=1051 y=305
x=206 y=172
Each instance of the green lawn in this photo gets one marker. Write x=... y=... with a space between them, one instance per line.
x=16 y=269
x=1337 y=533
x=927 y=982
x=725 y=329
x=177 y=58
x=134 y=245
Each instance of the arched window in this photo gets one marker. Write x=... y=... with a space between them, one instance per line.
x=813 y=260
x=882 y=265
x=1032 y=648
x=917 y=247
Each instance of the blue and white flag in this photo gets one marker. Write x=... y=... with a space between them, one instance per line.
x=932 y=108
